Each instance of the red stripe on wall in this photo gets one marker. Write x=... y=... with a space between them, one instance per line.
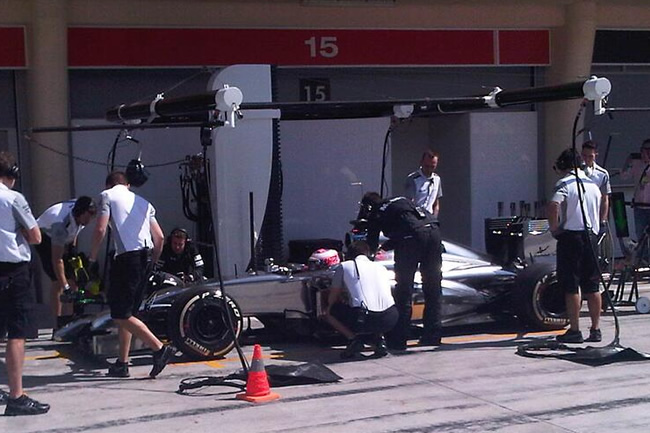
x=12 y=47
x=93 y=47
x=524 y=47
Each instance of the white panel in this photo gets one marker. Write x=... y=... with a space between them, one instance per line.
x=503 y=165
x=242 y=159
x=322 y=159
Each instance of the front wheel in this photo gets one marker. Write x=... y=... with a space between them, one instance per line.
x=538 y=299
x=199 y=325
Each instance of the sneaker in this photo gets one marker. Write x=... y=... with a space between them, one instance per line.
x=118 y=369
x=381 y=349
x=24 y=405
x=4 y=396
x=595 y=336
x=570 y=337
x=354 y=347
x=160 y=359
x=429 y=340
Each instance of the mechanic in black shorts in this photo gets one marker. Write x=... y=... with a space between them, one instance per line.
x=576 y=262
x=138 y=241
x=415 y=235
x=360 y=304
x=60 y=226
x=18 y=229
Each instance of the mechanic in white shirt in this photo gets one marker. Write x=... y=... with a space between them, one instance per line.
x=638 y=171
x=138 y=242
x=18 y=229
x=600 y=176
x=574 y=216
x=423 y=186
x=360 y=304
x=60 y=225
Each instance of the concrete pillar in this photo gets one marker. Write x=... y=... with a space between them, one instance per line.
x=47 y=82
x=572 y=50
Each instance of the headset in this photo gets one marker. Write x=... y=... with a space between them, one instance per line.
x=136 y=174
x=569 y=159
x=12 y=172
x=82 y=205
x=179 y=232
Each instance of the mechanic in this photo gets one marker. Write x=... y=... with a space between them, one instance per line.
x=181 y=257
x=360 y=304
x=639 y=172
x=60 y=225
x=600 y=176
x=415 y=235
x=423 y=185
x=138 y=239
x=18 y=229
x=576 y=202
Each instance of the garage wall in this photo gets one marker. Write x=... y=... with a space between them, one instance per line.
x=484 y=158
x=323 y=162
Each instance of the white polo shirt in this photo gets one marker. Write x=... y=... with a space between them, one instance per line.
x=15 y=214
x=130 y=218
x=566 y=193
x=423 y=190
x=59 y=224
x=370 y=285
x=601 y=177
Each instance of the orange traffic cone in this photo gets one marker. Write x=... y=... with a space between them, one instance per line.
x=257 y=382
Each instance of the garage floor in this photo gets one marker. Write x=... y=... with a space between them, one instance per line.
x=472 y=383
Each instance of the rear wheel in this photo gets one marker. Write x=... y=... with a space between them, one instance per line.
x=199 y=325
x=538 y=299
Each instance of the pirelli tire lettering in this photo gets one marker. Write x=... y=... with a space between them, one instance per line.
x=199 y=324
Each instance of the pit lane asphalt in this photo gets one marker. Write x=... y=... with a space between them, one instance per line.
x=472 y=383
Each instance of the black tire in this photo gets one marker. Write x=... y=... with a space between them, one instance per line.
x=538 y=300
x=198 y=325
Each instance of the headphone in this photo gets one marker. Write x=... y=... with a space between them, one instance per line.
x=136 y=174
x=569 y=159
x=82 y=205
x=179 y=232
x=11 y=172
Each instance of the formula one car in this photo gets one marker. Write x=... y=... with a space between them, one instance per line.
x=195 y=318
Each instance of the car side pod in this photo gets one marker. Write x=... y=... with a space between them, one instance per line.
x=258 y=389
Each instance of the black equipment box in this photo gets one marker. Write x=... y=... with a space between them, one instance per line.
x=301 y=249
x=511 y=239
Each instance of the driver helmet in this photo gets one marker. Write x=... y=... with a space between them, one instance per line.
x=323 y=259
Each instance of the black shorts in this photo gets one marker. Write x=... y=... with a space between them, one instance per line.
x=128 y=279
x=44 y=250
x=373 y=323
x=17 y=300
x=575 y=263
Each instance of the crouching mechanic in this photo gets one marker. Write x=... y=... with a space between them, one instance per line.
x=138 y=239
x=18 y=229
x=360 y=304
x=60 y=225
x=180 y=257
x=573 y=216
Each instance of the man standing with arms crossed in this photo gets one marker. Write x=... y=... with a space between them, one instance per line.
x=18 y=229
x=138 y=243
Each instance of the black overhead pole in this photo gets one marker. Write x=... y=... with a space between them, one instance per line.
x=195 y=107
